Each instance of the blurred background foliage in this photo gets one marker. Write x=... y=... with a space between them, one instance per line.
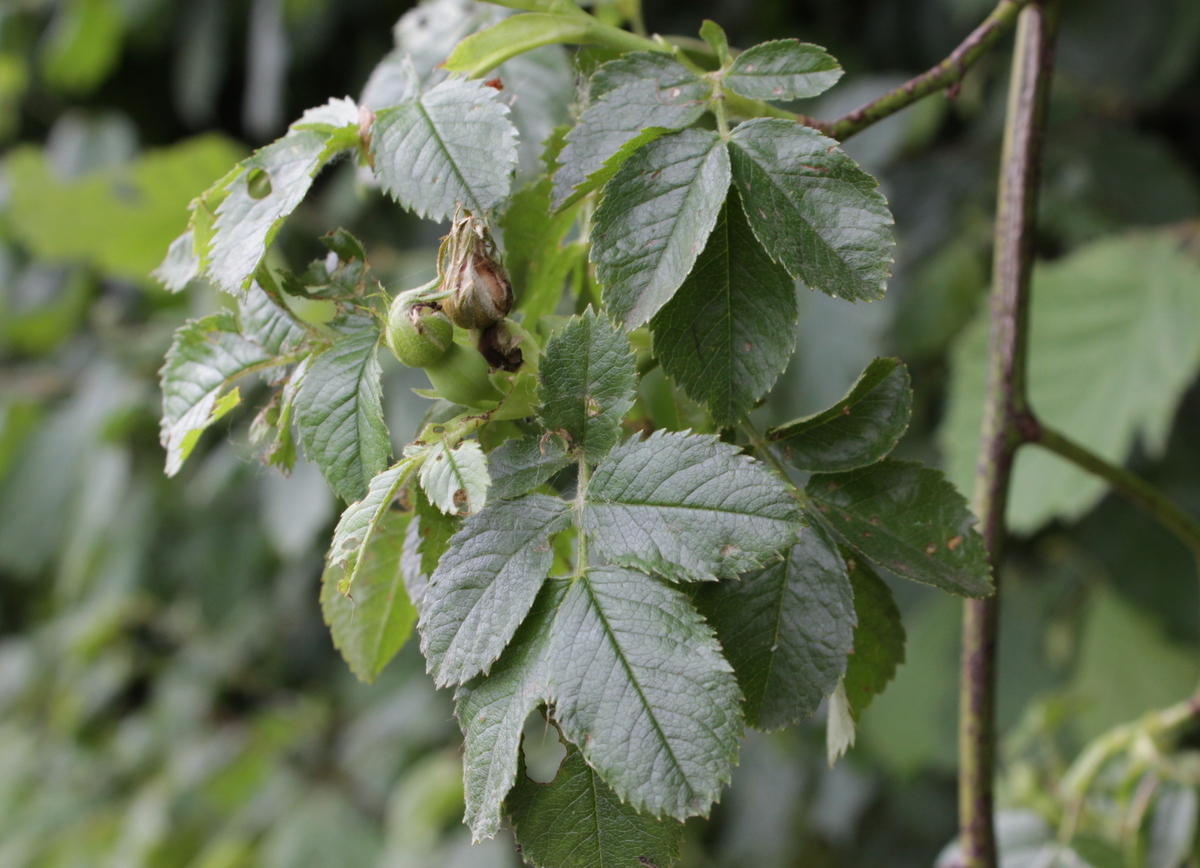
x=168 y=693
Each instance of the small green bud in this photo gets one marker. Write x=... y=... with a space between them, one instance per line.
x=417 y=333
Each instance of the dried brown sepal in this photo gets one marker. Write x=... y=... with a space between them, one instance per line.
x=500 y=345
x=480 y=292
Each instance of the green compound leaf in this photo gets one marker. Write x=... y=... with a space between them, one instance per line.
x=370 y=628
x=454 y=145
x=256 y=199
x=339 y=412
x=359 y=523
x=786 y=629
x=786 y=69
x=858 y=430
x=909 y=519
x=263 y=321
x=522 y=465
x=639 y=684
x=633 y=100
x=654 y=220
x=878 y=638
x=485 y=583
x=455 y=478
x=730 y=329
x=492 y=709
x=576 y=821
x=687 y=507
x=820 y=215
x=1114 y=343
x=588 y=379
x=205 y=358
x=482 y=52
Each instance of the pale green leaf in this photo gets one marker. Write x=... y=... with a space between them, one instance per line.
x=271 y=183
x=122 y=219
x=730 y=329
x=785 y=69
x=654 y=220
x=1124 y=666
x=909 y=519
x=455 y=478
x=840 y=730
x=687 y=507
x=393 y=81
x=492 y=709
x=1171 y=832
x=482 y=52
x=639 y=684
x=180 y=266
x=577 y=821
x=588 y=380
x=858 y=430
x=262 y=320
x=370 y=626
x=711 y=32
x=454 y=145
x=787 y=629
x=361 y=520
x=1114 y=342
x=522 y=465
x=633 y=99
x=820 y=215
x=339 y=412
x=485 y=583
x=206 y=357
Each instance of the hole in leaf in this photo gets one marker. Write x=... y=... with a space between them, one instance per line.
x=258 y=183
x=543 y=750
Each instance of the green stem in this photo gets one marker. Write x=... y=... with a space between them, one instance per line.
x=1079 y=777
x=1004 y=406
x=947 y=74
x=718 y=106
x=581 y=487
x=763 y=449
x=1137 y=490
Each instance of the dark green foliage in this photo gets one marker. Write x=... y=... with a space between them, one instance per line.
x=587 y=384
x=908 y=519
x=730 y=329
x=604 y=832
x=858 y=430
x=878 y=638
x=786 y=629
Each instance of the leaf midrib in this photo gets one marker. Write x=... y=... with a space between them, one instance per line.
x=611 y=636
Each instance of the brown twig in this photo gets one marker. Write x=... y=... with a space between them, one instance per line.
x=946 y=75
x=1005 y=409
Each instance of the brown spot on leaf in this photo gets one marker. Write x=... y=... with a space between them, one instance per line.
x=495 y=82
x=593 y=408
x=461 y=502
x=954 y=542
x=931 y=548
x=875 y=520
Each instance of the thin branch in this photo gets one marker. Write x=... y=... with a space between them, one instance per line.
x=1140 y=492
x=946 y=75
x=1004 y=407
x=1078 y=779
